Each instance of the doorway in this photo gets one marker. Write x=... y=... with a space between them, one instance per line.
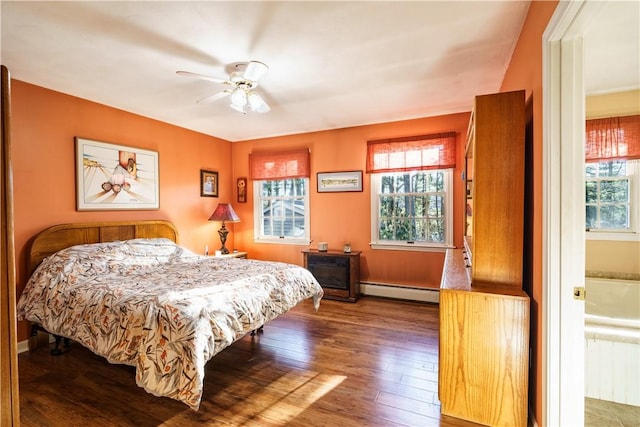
x=563 y=210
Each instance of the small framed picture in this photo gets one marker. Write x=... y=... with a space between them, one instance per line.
x=242 y=190
x=337 y=182
x=208 y=183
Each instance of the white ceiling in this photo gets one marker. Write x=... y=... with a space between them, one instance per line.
x=331 y=64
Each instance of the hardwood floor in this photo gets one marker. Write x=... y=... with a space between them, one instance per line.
x=372 y=363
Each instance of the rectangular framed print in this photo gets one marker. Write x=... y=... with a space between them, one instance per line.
x=332 y=182
x=208 y=183
x=115 y=177
x=242 y=190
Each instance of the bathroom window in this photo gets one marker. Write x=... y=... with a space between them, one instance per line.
x=611 y=196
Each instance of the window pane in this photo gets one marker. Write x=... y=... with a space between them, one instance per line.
x=421 y=230
x=267 y=229
x=419 y=183
x=387 y=184
x=386 y=206
x=615 y=216
x=402 y=229
x=298 y=230
x=435 y=206
x=614 y=191
x=400 y=207
x=436 y=182
x=615 y=168
x=403 y=184
x=386 y=229
x=436 y=230
x=591 y=217
x=420 y=206
x=591 y=170
x=591 y=191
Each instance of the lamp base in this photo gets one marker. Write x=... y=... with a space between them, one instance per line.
x=223 y=239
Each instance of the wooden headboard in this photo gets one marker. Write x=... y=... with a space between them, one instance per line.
x=63 y=236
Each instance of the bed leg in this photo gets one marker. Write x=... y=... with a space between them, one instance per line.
x=56 y=351
x=257 y=331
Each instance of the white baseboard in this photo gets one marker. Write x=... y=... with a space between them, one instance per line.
x=400 y=292
x=23 y=346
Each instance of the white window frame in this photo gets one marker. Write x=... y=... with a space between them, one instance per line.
x=416 y=246
x=257 y=218
x=633 y=233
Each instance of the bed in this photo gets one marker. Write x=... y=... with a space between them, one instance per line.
x=130 y=293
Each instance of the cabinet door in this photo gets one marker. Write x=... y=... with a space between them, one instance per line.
x=484 y=348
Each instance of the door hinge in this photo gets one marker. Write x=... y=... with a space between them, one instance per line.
x=579 y=293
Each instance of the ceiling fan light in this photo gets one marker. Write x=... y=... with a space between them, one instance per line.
x=238 y=108
x=238 y=98
x=255 y=70
x=257 y=103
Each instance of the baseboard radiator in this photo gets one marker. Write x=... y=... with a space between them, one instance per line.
x=400 y=292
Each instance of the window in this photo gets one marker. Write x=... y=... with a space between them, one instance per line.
x=411 y=209
x=411 y=191
x=281 y=202
x=281 y=211
x=610 y=200
x=612 y=170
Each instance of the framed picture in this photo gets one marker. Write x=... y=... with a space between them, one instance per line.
x=332 y=182
x=115 y=177
x=242 y=190
x=208 y=183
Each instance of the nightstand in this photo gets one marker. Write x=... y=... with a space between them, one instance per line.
x=232 y=255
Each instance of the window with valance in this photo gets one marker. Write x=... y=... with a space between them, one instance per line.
x=612 y=155
x=281 y=202
x=412 y=191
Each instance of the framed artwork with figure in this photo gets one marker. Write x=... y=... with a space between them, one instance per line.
x=208 y=183
x=115 y=177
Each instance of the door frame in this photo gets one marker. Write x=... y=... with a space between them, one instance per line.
x=563 y=364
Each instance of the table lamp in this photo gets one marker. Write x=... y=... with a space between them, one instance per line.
x=224 y=212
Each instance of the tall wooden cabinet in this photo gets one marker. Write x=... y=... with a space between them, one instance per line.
x=484 y=313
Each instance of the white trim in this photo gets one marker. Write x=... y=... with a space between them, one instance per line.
x=400 y=292
x=563 y=213
x=23 y=346
x=414 y=247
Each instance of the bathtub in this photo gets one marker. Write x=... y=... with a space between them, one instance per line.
x=612 y=340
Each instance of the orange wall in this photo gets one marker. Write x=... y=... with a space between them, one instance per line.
x=337 y=218
x=525 y=72
x=44 y=124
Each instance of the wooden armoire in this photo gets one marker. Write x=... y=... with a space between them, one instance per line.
x=484 y=312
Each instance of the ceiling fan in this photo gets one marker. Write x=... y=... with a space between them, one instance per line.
x=241 y=87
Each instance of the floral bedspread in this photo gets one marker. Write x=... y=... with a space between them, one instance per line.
x=154 y=305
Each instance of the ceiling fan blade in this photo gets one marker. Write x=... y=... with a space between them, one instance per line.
x=202 y=76
x=213 y=97
x=255 y=70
